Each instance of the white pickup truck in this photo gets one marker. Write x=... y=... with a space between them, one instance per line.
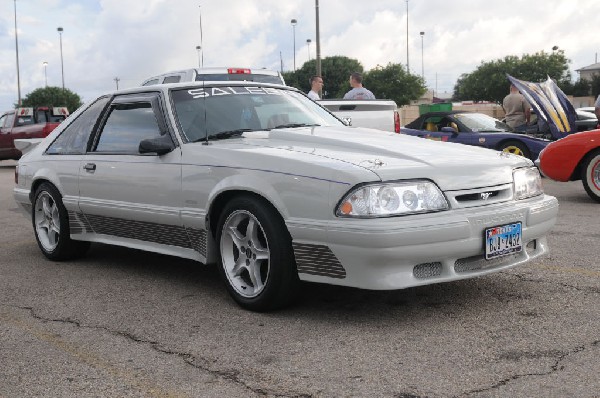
x=376 y=114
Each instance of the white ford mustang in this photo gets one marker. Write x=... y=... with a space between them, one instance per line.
x=273 y=188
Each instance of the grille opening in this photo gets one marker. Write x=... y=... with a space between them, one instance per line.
x=427 y=270
x=469 y=197
x=477 y=263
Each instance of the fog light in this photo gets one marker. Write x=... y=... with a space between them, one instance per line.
x=531 y=246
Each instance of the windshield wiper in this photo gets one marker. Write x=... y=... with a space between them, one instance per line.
x=224 y=135
x=291 y=125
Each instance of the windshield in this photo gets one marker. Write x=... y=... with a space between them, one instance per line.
x=479 y=122
x=227 y=111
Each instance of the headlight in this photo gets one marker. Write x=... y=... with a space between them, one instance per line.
x=392 y=199
x=527 y=183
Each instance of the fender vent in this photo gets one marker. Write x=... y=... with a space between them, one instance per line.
x=317 y=260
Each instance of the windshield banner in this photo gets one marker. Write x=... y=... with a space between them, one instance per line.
x=550 y=103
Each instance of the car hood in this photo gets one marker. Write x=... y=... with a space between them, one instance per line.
x=551 y=104
x=393 y=156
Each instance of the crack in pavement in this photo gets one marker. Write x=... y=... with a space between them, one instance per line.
x=198 y=363
x=583 y=289
x=556 y=367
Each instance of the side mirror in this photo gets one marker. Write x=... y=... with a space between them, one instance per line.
x=160 y=145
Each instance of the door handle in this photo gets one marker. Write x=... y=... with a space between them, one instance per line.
x=90 y=167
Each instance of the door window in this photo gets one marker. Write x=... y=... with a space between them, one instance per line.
x=126 y=126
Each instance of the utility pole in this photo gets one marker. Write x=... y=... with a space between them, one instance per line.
x=116 y=79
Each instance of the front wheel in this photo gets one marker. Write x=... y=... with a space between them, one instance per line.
x=257 y=262
x=590 y=174
x=516 y=148
x=51 y=225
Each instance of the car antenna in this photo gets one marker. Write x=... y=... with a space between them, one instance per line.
x=206 y=142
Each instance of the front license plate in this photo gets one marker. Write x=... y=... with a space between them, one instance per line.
x=503 y=240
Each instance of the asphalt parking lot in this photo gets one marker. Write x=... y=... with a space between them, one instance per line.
x=126 y=323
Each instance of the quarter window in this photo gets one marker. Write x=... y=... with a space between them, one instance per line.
x=74 y=138
x=126 y=126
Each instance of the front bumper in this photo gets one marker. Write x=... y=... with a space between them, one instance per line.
x=400 y=252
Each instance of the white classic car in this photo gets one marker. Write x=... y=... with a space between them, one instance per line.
x=263 y=181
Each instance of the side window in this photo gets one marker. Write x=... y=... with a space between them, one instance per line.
x=172 y=79
x=24 y=120
x=2 y=120
x=74 y=138
x=126 y=126
x=9 y=120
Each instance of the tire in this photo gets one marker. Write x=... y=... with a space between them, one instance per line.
x=257 y=261
x=516 y=148
x=590 y=174
x=51 y=225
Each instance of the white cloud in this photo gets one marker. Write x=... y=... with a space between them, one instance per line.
x=134 y=39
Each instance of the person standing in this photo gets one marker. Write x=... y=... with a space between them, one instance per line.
x=516 y=108
x=358 y=92
x=316 y=85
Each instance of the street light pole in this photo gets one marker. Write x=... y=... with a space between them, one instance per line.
x=17 y=51
x=45 y=72
x=422 y=57
x=308 y=46
x=294 y=22
x=62 y=67
x=407 y=63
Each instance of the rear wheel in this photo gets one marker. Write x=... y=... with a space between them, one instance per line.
x=51 y=225
x=590 y=174
x=516 y=148
x=257 y=262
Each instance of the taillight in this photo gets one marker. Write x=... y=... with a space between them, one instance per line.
x=238 y=71
x=396 y=122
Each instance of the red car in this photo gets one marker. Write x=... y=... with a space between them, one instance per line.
x=575 y=157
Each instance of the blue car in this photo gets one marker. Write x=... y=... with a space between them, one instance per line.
x=477 y=129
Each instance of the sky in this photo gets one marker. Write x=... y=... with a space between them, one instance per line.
x=135 y=39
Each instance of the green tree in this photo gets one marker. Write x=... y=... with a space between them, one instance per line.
x=335 y=71
x=489 y=83
x=581 y=88
x=393 y=82
x=595 y=85
x=52 y=96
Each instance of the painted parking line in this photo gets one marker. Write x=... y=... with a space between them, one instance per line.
x=570 y=270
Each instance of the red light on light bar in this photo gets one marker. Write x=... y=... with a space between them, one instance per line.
x=238 y=71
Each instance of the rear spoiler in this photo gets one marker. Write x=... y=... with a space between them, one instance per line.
x=550 y=103
x=26 y=144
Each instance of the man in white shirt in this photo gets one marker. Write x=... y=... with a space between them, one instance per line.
x=316 y=85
